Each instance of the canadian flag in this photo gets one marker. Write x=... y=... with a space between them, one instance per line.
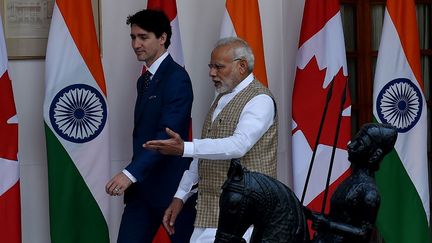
x=10 y=209
x=321 y=64
x=176 y=51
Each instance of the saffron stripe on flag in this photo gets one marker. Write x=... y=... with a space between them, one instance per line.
x=78 y=17
x=242 y=19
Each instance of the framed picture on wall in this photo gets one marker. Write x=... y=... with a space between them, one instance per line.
x=26 y=26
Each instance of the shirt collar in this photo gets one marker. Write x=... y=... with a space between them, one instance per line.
x=243 y=84
x=154 y=67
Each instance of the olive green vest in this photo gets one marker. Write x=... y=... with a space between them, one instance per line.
x=213 y=173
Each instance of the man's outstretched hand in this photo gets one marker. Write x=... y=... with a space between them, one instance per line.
x=172 y=146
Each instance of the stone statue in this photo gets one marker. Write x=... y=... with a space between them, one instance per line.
x=251 y=198
x=355 y=202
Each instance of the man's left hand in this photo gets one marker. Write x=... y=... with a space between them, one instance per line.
x=118 y=184
x=172 y=146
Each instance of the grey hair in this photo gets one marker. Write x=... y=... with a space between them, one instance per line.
x=241 y=50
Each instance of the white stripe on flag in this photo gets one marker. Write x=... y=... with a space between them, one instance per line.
x=9 y=174
x=64 y=70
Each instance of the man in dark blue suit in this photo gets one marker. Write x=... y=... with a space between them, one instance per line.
x=164 y=99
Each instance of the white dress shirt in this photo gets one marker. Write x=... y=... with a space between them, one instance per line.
x=255 y=119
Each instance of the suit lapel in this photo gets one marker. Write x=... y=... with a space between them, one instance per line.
x=154 y=84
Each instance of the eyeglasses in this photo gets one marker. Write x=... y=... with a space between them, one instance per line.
x=219 y=67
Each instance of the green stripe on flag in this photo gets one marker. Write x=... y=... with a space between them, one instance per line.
x=74 y=213
x=400 y=202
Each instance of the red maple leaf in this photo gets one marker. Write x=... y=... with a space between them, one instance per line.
x=8 y=132
x=309 y=99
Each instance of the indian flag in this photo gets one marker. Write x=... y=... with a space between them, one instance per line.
x=76 y=127
x=242 y=19
x=399 y=101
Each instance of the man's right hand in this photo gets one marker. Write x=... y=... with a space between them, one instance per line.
x=118 y=184
x=171 y=214
x=172 y=146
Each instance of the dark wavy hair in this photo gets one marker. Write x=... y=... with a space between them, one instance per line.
x=154 y=21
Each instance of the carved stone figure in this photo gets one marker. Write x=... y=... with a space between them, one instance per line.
x=355 y=202
x=251 y=198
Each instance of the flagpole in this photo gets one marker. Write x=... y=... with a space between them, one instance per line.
x=329 y=94
x=334 y=149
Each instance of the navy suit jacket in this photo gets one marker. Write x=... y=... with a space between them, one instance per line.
x=166 y=103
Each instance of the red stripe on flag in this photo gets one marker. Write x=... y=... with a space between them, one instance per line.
x=167 y=6
x=10 y=208
x=9 y=132
x=161 y=236
x=10 y=215
x=190 y=130
x=316 y=17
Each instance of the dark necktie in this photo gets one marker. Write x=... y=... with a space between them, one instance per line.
x=143 y=84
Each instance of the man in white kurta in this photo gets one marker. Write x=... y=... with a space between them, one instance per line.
x=242 y=123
